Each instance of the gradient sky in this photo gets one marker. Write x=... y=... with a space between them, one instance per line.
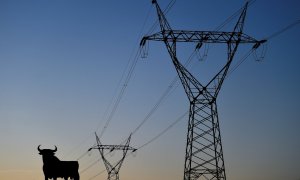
x=61 y=67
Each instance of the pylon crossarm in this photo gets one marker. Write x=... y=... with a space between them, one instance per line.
x=113 y=147
x=200 y=37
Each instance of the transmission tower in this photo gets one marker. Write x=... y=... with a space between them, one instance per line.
x=204 y=158
x=112 y=170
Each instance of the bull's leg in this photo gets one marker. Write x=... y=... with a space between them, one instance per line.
x=76 y=177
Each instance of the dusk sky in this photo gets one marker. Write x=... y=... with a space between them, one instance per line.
x=65 y=63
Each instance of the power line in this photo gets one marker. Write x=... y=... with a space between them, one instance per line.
x=170 y=5
x=163 y=96
x=164 y=131
x=230 y=18
x=283 y=30
x=91 y=165
x=268 y=38
x=97 y=174
x=120 y=95
x=128 y=77
x=122 y=90
x=240 y=62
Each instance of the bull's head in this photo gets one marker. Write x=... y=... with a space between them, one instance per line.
x=46 y=151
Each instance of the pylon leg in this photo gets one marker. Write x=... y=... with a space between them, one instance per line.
x=204 y=154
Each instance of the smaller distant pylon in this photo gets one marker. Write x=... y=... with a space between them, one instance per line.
x=112 y=170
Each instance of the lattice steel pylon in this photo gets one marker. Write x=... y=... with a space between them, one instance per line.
x=112 y=170
x=204 y=158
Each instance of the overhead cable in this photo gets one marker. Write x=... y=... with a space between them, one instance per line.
x=121 y=92
x=163 y=96
x=283 y=30
x=230 y=18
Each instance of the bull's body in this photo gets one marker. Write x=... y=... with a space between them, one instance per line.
x=54 y=168
x=61 y=169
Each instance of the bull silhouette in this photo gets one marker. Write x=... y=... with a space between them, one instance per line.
x=54 y=168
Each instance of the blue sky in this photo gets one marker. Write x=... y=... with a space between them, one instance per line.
x=61 y=69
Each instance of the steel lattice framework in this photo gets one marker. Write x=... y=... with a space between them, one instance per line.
x=113 y=170
x=204 y=154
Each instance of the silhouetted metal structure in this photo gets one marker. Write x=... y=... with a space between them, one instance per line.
x=113 y=170
x=54 y=168
x=204 y=154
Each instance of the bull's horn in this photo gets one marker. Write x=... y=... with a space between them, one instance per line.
x=39 y=148
x=55 y=149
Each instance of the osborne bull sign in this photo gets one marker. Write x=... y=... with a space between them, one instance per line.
x=54 y=168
